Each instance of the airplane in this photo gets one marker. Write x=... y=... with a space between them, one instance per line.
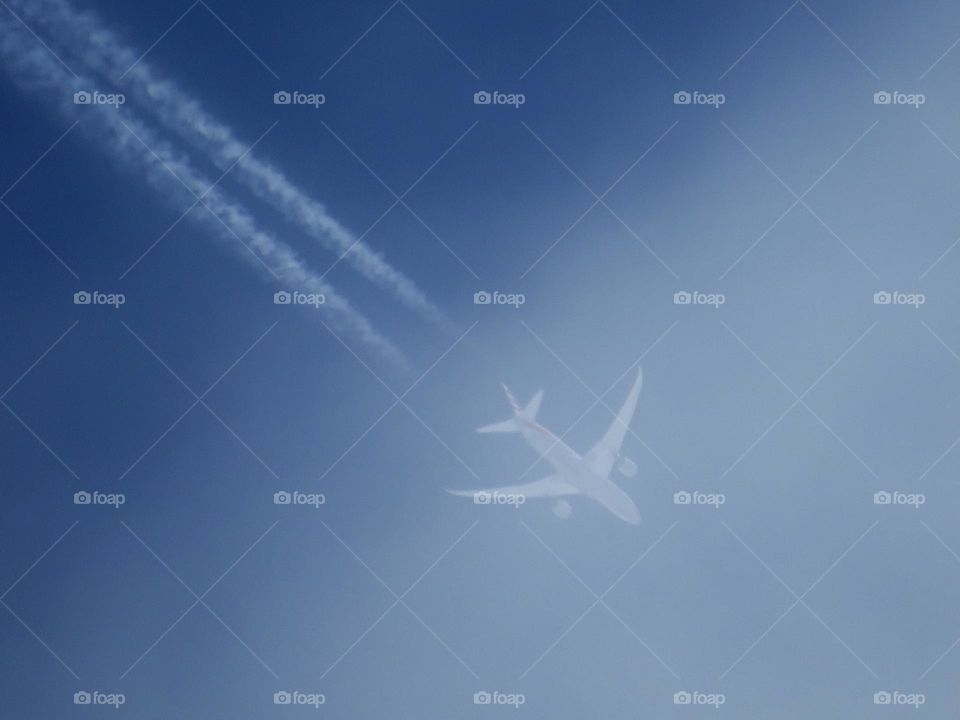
x=587 y=475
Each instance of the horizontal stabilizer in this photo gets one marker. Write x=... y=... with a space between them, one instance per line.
x=500 y=427
x=527 y=413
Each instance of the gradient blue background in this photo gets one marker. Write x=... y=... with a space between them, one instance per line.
x=800 y=498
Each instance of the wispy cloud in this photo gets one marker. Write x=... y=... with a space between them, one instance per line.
x=127 y=138
x=90 y=43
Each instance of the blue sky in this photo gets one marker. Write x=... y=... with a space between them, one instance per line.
x=398 y=198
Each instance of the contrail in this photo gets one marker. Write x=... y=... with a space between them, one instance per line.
x=89 y=42
x=134 y=144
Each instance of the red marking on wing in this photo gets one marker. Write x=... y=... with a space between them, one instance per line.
x=541 y=428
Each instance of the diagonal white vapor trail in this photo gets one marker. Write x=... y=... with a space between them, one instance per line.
x=83 y=36
x=131 y=142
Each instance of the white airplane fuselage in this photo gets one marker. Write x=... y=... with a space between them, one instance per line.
x=574 y=474
x=573 y=468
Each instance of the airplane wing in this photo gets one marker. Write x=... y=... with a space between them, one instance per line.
x=603 y=456
x=550 y=486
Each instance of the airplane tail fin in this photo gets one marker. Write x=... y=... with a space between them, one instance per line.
x=528 y=413
x=533 y=407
